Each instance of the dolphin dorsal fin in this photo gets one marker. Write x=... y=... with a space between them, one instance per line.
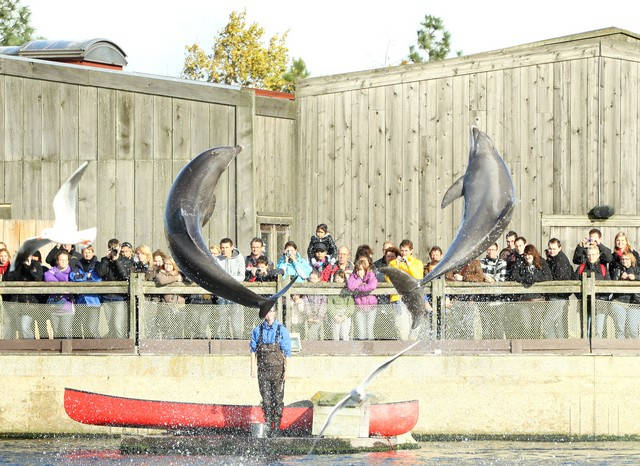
x=454 y=192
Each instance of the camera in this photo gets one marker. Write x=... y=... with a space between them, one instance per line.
x=287 y=253
x=115 y=251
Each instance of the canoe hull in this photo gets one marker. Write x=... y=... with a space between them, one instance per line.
x=386 y=419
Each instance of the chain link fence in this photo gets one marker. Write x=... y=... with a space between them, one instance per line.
x=43 y=320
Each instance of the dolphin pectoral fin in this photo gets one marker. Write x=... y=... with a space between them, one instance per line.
x=454 y=192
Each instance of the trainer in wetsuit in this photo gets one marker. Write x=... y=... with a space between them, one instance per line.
x=271 y=344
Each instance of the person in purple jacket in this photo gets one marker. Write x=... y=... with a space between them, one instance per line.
x=63 y=312
x=362 y=282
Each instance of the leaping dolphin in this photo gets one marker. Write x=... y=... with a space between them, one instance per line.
x=190 y=203
x=489 y=200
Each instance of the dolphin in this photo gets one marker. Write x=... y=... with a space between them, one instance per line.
x=190 y=204
x=489 y=201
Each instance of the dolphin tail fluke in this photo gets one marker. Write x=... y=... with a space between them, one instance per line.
x=410 y=290
x=271 y=300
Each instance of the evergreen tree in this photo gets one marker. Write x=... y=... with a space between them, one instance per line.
x=297 y=70
x=433 y=39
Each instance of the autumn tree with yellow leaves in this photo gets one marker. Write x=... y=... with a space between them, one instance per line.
x=239 y=57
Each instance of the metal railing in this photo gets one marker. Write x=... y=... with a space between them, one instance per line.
x=459 y=311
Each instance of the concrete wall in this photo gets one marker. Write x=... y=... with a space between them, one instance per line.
x=539 y=394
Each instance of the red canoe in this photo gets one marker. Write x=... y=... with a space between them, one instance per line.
x=385 y=419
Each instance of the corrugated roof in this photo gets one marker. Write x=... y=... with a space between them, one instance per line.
x=93 y=50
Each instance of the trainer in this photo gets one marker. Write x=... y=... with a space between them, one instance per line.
x=271 y=344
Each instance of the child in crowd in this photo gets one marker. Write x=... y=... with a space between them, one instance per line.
x=316 y=310
x=341 y=308
x=322 y=236
x=362 y=282
x=323 y=263
x=263 y=272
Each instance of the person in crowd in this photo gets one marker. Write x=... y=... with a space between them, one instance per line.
x=392 y=253
x=292 y=264
x=126 y=253
x=495 y=271
x=215 y=250
x=159 y=257
x=262 y=272
x=414 y=267
x=595 y=238
x=315 y=307
x=382 y=262
x=5 y=261
x=624 y=315
x=361 y=283
x=510 y=239
x=257 y=246
x=170 y=316
x=88 y=306
x=322 y=236
x=532 y=270
x=516 y=257
x=322 y=263
x=143 y=260
x=343 y=263
x=504 y=255
x=27 y=310
x=555 y=318
x=114 y=267
x=462 y=308
x=435 y=256
x=340 y=309
x=364 y=250
x=296 y=307
x=74 y=255
x=623 y=245
x=231 y=313
x=270 y=347
x=62 y=311
x=600 y=272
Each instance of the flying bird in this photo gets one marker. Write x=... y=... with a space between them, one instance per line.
x=358 y=394
x=65 y=227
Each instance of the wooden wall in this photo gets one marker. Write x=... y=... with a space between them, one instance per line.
x=137 y=133
x=379 y=149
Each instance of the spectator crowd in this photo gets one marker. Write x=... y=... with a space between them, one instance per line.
x=355 y=313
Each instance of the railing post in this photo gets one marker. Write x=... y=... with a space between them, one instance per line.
x=587 y=285
x=136 y=297
x=1 y=314
x=437 y=303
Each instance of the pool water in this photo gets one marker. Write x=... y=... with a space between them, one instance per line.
x=106 y=451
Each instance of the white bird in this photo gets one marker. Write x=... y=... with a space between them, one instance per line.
x=358 y=395
x=65 y=227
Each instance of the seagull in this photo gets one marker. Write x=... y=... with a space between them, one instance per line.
x=65 y=227
x=358 y=395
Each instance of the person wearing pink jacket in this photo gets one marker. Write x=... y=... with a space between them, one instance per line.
x=361 y=283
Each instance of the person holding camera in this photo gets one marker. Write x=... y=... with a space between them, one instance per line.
x=594 y=239
x=291 y=263
x=114 y=267
x=264 y=273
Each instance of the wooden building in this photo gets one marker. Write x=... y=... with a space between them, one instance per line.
x=369 y=153
x=378 y=149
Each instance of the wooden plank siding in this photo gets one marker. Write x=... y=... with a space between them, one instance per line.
x=137 y=133
x=564 y=114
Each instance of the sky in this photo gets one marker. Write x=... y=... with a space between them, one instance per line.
x=331 y=36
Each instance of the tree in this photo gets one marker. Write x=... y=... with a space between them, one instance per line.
x=434 y=39
x=297 y=70
x=239 y=57
x=15 y=27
